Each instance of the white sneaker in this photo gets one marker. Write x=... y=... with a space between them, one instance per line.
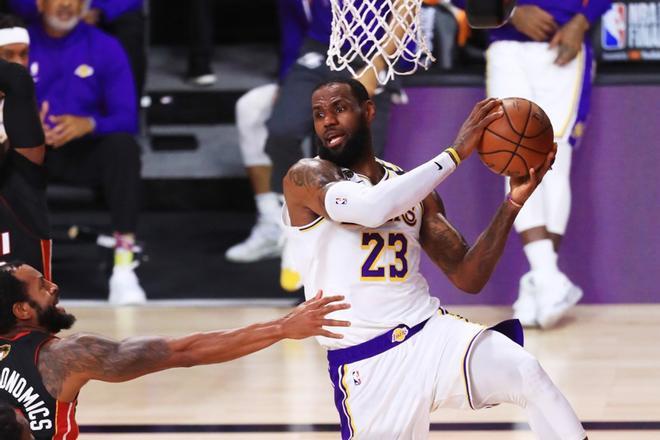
x=125 y=287
x=264 y=242
x=555 y=299
x=524 y=309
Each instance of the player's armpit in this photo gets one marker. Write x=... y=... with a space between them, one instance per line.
x=305 y=186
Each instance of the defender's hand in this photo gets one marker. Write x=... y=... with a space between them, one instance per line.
x=534 y=22
x=568 y=39
x=309 y=318
x=473 y=128
x=523 y=187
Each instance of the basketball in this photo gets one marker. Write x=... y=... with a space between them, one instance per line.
x=517 y=141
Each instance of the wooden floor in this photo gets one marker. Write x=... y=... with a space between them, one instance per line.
x=606 y=359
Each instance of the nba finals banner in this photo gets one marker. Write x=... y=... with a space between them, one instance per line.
x=630 y=31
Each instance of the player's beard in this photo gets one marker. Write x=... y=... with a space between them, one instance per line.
x=53 y=319
x=352 y=152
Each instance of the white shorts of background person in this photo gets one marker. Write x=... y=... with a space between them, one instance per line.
x=527 y=70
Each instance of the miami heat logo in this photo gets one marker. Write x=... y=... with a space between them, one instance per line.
x=4 y=351
x=399 y=334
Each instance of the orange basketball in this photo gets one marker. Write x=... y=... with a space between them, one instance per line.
x=517 y=141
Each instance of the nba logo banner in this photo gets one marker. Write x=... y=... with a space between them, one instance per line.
x=613 y=32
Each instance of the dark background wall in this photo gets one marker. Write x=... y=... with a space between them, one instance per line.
x=236 y=21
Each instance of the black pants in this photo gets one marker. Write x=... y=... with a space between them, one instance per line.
x=110 y=161
x=200 y=36
x=291 y=119
x=129 y=29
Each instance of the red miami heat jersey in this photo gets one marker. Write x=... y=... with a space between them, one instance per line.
x=21 y=387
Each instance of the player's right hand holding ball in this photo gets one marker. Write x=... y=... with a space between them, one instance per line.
x=523 y=187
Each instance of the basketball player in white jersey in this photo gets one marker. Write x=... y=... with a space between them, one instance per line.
x=357 y=227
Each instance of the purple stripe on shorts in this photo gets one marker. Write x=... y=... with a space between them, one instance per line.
x=336 y=376
x=375 y=346
x=577 y=130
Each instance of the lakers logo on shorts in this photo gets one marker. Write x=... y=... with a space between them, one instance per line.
x=4 y=351
x=399 y=334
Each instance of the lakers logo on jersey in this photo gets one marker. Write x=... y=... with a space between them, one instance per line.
x=4 y=351
x=399 y=334
x=84 y=71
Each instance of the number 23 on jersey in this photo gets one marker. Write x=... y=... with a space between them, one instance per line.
x=373 y=268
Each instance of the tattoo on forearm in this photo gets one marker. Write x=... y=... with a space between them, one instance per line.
x=100 y=357
x=488 y=248
x=452 y=254
x=444 y=244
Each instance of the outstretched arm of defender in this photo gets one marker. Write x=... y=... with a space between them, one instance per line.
x=469 y=267
x=67 y=364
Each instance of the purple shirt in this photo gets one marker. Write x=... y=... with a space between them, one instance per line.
x=561 y=10
x=85 y=73
x=27 y=9
x=294 y=25
x=320 y=27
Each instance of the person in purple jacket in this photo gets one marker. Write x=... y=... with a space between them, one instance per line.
x=123 y=19
x=543 y=54
x=87 y=97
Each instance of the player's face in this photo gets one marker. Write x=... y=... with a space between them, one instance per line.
x=44 y=296
x=341 y=124
x=15 y=53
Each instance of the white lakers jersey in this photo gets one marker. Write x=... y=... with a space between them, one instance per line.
x=376 y=269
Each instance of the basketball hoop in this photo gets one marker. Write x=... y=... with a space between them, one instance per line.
x=384 y=35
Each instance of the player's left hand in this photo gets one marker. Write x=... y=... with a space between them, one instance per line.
x=523 y=187
x=568 y=39
x=67 y=128
x=309 y=318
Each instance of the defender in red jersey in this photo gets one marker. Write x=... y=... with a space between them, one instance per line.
x=41 y=374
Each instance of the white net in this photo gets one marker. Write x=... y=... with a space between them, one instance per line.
x=384 y=35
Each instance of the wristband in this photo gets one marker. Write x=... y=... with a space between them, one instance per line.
x=454 y=155
x=513 y=202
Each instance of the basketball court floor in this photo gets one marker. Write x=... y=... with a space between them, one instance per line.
x=606 y=359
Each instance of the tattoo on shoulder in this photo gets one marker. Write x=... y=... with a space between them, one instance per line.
x=98 y=356
x=314 y=173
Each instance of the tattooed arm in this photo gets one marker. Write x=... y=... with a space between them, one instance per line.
x=469 y=267
x=67 y=364
x=305 y=186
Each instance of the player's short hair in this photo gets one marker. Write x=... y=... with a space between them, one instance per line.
x=10 y=21
x=357 y=89
x=10 y=427
x=12 y=290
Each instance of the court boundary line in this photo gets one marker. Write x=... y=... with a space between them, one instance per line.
x=641 y=425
